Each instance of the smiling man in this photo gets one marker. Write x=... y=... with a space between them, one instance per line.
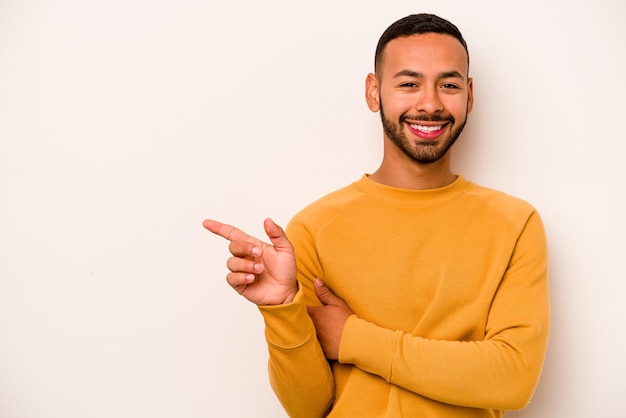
x=423 y=92
x=412 y=292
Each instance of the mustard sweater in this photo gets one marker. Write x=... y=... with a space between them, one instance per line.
x=449 y=291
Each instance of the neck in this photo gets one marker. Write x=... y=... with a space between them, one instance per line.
x=396 y=171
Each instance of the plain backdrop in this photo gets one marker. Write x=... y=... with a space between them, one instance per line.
x=125 y=123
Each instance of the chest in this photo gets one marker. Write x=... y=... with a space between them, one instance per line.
x=416 y=271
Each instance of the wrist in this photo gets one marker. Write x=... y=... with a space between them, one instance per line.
x=291 y=295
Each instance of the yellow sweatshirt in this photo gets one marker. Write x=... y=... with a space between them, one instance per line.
x=449 y=291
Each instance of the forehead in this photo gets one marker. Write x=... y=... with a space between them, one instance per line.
x=421 y=52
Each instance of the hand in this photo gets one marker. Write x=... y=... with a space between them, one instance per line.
x=263 y=273
x=329 y=319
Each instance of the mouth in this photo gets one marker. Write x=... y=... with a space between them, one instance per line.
x=429 y=131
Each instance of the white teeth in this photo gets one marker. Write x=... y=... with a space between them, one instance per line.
x=426 y=129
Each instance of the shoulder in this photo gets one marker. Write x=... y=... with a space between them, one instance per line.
x=327 y=206
x=511 y=208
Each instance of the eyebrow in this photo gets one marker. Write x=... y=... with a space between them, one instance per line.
x=415 y=74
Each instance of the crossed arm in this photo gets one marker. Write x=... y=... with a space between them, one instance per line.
x=499 y=372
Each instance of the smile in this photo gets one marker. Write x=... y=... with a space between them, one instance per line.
x=426 y=129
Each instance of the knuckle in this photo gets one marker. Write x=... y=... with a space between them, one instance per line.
x=230 y=263
x=234 y=279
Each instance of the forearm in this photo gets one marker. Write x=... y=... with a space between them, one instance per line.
x=498 y=371
x=299 y=373
x=482 y=374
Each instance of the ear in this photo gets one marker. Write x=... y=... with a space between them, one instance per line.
x=372 y=92
x=470 y=94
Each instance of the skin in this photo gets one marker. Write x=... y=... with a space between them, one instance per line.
x=422 y=77
x=264 y=273
x=423 y=80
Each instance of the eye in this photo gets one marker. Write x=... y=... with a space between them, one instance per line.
x=450 y=86
x=408 y=84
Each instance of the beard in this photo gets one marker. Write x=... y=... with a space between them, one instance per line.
x=423 y=152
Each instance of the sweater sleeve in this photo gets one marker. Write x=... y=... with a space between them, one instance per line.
x=299 y=373
x=500 y=371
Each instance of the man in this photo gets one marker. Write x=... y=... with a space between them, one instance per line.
x=439 y=304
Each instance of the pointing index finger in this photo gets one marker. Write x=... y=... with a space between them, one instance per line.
x=224 y=230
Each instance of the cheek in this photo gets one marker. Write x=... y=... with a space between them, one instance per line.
x=396 y=104
x=457 y=107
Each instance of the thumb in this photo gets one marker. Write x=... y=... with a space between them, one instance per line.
x=324 y=293
x=276 y=234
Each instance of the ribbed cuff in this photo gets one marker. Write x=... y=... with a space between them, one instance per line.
x=288 y=325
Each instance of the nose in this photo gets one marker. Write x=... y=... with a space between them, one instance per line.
x=428 y=101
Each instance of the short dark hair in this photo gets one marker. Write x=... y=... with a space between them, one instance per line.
x=416 y=24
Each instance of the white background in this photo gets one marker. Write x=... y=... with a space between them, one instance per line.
x=125 y=123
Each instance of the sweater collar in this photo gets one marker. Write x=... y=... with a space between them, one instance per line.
x=409 y=196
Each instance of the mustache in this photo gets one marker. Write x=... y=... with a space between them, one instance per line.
x=427 y=118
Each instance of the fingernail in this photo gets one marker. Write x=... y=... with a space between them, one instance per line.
x=256 y=251
x=319 y=282
x=250 y=278
x=258 y=267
